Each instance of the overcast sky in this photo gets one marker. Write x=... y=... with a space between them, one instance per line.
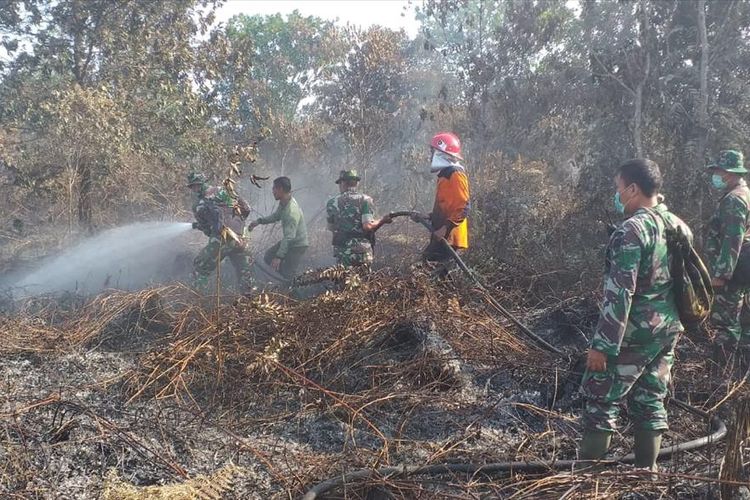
x=394 y=14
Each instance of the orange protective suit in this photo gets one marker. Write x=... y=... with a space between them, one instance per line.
x=452 y=206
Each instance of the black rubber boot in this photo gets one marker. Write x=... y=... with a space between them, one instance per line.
x=646 y=448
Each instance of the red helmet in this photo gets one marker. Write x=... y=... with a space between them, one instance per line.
x=448 y=143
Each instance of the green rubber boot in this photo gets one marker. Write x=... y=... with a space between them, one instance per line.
x=594 y=445
x=646 y=448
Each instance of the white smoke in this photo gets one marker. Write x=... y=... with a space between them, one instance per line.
x=128 y=257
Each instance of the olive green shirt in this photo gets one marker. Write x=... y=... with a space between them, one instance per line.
x=292 y=224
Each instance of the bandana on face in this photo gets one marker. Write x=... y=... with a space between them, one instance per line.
x=441 y=160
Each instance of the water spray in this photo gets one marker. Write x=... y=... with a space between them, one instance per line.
x=125 y=257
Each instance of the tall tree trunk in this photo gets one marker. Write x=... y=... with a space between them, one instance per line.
x=702 y=111
x=703 y=72
x=638 y=97
x=637 y=120
x=81 y=52
x=84 y=197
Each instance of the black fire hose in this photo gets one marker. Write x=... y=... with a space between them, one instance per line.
x=270 y=272
x=718 y=428
x=417 y=217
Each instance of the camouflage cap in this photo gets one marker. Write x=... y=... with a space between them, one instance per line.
x=196 y=178
x=347 y=175
x=729 y=160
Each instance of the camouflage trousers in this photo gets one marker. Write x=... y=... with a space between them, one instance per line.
x=355 y=252
x=640 y=373
x=726 y=313
x=207 y=260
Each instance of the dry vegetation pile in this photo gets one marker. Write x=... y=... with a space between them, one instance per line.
x=164 y=394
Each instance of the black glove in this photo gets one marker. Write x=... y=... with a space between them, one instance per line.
x=418 y=217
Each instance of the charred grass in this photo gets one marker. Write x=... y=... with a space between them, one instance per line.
x=166 y=394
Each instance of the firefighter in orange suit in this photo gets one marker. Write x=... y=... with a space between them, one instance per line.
x=448 y=217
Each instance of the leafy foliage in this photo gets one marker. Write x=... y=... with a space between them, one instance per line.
x=106 y=100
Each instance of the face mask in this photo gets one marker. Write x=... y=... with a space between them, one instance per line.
x=718 y=182
x=619 y=207
x=439 y=162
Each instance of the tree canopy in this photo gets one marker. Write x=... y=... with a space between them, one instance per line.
x=119 y=98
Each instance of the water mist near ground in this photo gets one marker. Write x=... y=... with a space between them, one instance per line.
x=127 y=257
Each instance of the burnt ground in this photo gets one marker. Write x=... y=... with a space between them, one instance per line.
x=160 y=394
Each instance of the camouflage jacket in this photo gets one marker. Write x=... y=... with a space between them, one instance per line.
x=345 y=214
x=728 y=229
x=214 y=208
x=639 y=304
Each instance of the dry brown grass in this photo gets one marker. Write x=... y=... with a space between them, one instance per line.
x=372 y=354
x=211 y=487
x=49 y=324
x=265 y=344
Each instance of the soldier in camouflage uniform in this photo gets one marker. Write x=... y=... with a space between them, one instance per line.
x=632 y=350
x=222 y=218
x=351 y=218
x=728 y=231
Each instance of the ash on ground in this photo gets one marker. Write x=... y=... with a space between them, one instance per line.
x=164 y=394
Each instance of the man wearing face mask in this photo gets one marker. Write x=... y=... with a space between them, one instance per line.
x=451 y=207
x=632 y=349
x=728 y=231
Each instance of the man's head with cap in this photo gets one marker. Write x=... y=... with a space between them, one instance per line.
x=729 y=160
x=727 y=170
x=197 y=182
x=347 y=179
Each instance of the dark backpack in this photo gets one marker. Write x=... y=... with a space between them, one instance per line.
x=209 y=216
x=741 y=275
x=690 y=279
x=213 y=215
x=341 y=237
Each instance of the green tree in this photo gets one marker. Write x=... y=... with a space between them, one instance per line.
x=366 y=94
x=290 y=57
x=132 y=69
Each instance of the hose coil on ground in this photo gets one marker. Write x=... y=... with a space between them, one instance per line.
x=717 y=425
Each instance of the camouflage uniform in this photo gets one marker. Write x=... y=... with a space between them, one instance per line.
x=346 y=212
x=638 y=327
x=728 y=229
x=215 y=209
